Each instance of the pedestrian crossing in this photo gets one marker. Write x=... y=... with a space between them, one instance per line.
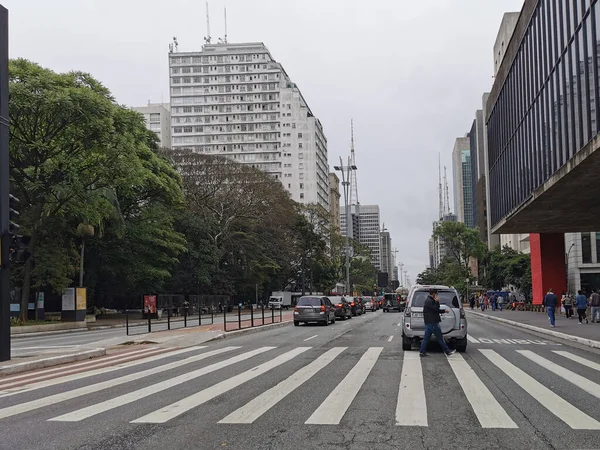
x=52 y=399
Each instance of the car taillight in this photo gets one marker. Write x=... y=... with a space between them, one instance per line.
x=352 y=304
x=322 y=307
x=339 y=305
x=407 y=312
x=462 y=313
x=295 y=309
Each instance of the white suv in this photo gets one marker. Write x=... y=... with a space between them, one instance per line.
x=453 y=321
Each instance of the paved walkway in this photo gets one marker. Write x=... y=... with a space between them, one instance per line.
x=540 y=319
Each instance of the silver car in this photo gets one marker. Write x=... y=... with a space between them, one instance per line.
x=453 y=321
x=314 y=309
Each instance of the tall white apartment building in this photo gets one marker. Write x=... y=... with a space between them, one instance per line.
x=158 y=119
x=235 y=100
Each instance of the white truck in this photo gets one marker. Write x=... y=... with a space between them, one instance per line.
x=283 y=299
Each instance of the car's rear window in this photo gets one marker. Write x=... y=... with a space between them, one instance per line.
x=309 y=301
x=445 y=298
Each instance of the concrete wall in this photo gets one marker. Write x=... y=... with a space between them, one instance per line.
x=507 y=27
x=547 y=265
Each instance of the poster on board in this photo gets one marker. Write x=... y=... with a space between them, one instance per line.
x=81 y=299
x=150 y=304
x=68 y=300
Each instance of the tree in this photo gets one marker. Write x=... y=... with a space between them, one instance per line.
x=505 y=267
x=69 y=144
x=462 y=244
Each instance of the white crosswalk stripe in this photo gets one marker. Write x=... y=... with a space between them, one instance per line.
x=578 y=359
x=261 y=404
x=558 y=406
x=487 y=409
x=63 y=396
x=583 y=383
x=193 y=401
x=411 y=406
x=131 y=397
x=336 y=404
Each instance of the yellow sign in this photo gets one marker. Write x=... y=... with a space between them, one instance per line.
x=81 y=296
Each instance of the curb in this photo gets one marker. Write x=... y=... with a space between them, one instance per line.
x=49 y=362
x=236 y=333
x=567 y=337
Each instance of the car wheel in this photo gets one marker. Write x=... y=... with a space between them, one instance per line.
x=461 y=345
x=406 y=343
x=326 y=322
x=296 y=323
x=333 y=320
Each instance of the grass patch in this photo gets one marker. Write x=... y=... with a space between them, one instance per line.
x=18 y=322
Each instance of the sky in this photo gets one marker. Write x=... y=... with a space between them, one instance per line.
x=411 y=74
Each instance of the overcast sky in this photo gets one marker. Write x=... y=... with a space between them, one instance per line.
x=410 y=72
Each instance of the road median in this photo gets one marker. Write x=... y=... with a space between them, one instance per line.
x=40 y=363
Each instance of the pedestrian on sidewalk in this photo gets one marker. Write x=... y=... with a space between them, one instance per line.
x=581 y=304
x=472 y=302
x=595 y=304
x=550 y=302
x=493 y=301
x=482 y=303
x=567 y=302
x=500 y=301
x=431 y=316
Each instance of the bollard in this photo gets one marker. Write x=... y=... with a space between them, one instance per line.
x=240 y=316
x=251 y=315
x=149 y=322
x=185 y=312
x=263 y=313
x=127 y=321
x=168 y=317
x=272 y=314
x=225 y=318
x=212 y=313
x=199 y=314
x=280 y=315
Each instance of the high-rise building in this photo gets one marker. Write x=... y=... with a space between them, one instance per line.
x=334 y=201
x=158 y=119
x=365 y=228
x=437 y=249
x=387 y=263
x=463 y=188
x=235 y=100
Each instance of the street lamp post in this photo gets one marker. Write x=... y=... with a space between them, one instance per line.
x=567 y=266
x=345 y=170
x=400 y=274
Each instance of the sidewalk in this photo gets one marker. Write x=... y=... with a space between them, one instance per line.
x=32 y=358
x=568 y=329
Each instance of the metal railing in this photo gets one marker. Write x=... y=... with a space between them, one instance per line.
x=255 y=317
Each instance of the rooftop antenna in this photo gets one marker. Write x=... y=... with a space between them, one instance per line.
x=353 y=182
x=225 y=13
x=447 y=208
x=175 y=44
x=440 y=192
x=207 y=37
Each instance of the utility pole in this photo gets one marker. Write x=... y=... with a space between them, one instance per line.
x=345 y=170
x=5 y=237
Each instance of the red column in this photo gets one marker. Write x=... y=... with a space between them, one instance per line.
x=547 y=265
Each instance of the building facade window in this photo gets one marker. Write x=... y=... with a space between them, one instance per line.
x=586 y=248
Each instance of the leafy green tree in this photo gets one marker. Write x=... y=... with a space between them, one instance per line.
x=506 y=266
x=71 y=146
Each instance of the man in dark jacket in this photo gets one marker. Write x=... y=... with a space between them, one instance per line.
x=431 y=316
x=551 y=302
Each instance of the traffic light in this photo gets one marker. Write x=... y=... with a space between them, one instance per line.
x=13 y=214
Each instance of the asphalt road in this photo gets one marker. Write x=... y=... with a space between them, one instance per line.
x=345 y=386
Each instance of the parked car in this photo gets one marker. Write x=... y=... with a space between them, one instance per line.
x=453 y=320
x=342 y=307
x=314 y=309
x=370 y=304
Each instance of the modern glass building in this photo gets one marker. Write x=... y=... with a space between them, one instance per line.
x=545 y=110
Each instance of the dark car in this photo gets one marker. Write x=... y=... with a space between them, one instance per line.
x=393 y=302
x=314 y=309
x=357 y=305
x=342 y=307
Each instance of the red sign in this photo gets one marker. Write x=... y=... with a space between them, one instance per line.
x=150 y=304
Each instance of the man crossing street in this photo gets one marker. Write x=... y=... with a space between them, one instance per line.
x=431 y=316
